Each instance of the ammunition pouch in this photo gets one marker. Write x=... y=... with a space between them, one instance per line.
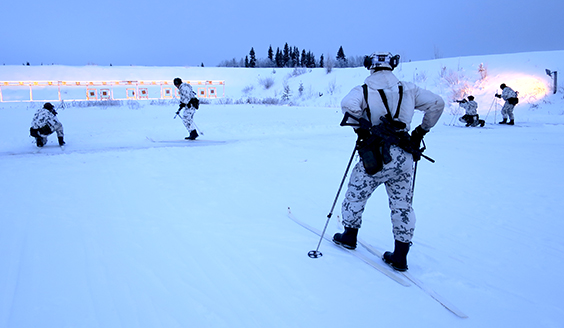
x=45 y=130
x=374 y=150
x=194 y=103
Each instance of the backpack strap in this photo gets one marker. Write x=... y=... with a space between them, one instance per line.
x=365 y=91
x=385 y=101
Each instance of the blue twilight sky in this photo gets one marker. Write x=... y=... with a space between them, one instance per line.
x=188 y=33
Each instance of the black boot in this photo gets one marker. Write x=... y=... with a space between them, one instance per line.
x=193 y=135
x=61 y=141
x=397 y=259
x=39 y=142
x=512 y=122
x=346 y=239
x=504 y=121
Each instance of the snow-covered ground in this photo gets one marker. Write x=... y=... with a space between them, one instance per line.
x=121 y=231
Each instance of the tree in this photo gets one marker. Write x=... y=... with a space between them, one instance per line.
x=321 y=61
x=328 y=64
x=270 y=53
x=253 y=60
x=286 y=55
x=341 y=59
x=246 y=61
x=278 y=58
x=311 y=59
x=296 y=57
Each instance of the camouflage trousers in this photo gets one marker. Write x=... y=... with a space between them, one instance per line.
x=397 y=176
x=188 y=118
x=507 y=111
x=58 y=128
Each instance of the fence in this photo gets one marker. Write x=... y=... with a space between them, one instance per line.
x=21 y=91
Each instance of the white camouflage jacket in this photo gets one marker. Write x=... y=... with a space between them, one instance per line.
x=508 y=93
x=44 y=117
x=186 y=93
x=414 y=98
x=471 y=107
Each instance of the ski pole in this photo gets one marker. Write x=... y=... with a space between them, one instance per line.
x=415 y=167
x=197 y=128
x=495 y=112
x=454 y=116
x=493 y=101
x=413 y=184
x=316 y=253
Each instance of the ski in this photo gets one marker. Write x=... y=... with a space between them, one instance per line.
x=187 y=141
x=383 y=269
x=449 y=306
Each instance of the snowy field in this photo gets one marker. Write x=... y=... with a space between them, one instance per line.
x=117 y=230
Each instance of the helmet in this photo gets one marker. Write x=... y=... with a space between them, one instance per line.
x=470 y=97
x=48 y=106
x=502 y=86
x=177 y=81
x=381 y=61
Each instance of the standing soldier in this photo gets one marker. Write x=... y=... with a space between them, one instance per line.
x=384 y=108
x=189 y=103
x=44 y=123
x=510 y=97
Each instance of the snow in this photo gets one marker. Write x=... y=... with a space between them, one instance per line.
x=119 y=231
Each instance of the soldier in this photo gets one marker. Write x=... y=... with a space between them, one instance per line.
x=387 y=105
x=190 y=104
x=44 y=123
x=510 y=97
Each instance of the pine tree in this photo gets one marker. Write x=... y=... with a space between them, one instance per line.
x=296 y=57
x=246 y=61
x=278 y=58
x=253 y=60
x=321 y=63
x=286 y=55
x=270 y=53
x=341 y=59
x=311 y=60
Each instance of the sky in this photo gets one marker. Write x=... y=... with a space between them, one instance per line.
x=191 y=33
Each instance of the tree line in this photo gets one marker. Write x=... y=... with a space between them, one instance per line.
x=291 y=56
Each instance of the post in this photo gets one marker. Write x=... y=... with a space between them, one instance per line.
x=554 y=76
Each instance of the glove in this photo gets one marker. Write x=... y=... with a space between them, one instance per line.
x=499 y=96
x=417 y=136
x=178 y=112
x=182 y=105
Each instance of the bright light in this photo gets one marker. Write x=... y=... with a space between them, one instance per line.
x=530 y=88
